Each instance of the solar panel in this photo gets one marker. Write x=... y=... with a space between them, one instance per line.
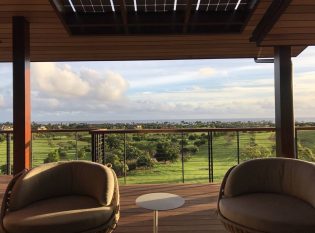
x=85 y=17
x=91 y=6
x=99 y=6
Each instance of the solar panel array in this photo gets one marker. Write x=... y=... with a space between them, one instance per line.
x=99 y=6
x=117 y=17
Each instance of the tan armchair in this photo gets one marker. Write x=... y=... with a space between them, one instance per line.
x=64 y=197
x=269 y=196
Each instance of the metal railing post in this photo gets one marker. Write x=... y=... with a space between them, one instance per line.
x=238 y=146
x=296 y=145
x=211 y=149
x=93 y=146
x=31 y=150
x=182 y=154
x=8 y=172
x=104 y=150
x=76 y=146
x=125 y=158
x=209 y=158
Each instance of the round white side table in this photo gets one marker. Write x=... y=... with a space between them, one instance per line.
x=159 y=201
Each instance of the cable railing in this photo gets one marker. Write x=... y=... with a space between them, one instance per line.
x=201 y=155
x=158 y=155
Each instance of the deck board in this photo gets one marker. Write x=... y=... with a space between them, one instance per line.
x=196 y=215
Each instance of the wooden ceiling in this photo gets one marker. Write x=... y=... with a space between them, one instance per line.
x=50 y=41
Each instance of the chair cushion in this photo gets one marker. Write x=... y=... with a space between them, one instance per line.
x=70 y=214
x=268 y=212
x=61 y=179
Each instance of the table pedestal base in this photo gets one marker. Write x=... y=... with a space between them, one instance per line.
x=155 y=221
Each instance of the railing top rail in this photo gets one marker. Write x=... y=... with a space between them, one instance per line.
x=305 y=128
x=52 y=130
x=61 y=130
x=178 y=130
x=172 y=130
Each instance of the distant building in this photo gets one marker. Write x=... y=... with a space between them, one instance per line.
x=6 y=127
x=42 y=127
x=139 y=127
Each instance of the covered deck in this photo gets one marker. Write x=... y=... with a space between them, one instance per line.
x=197 y=215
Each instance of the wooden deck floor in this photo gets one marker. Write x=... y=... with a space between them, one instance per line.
x=196 y=216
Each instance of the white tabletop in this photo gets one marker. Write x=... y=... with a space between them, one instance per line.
x=160 y=201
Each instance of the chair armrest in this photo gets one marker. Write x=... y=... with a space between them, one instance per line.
x=222 y=187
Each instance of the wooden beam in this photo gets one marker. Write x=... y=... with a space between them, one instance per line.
x=59 y=10
x=285 y=129
x=187 y=15
x=270 y=18
x=21 y=94
x=123 y=12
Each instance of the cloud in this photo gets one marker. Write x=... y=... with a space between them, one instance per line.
x=58 y=80
x=59 y=90
x=112 y=88
x=1 y=101
x=207 y=71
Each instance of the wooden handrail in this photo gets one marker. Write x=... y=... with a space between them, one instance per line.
x=52 y=130
x=172 y=130
x=178 y=130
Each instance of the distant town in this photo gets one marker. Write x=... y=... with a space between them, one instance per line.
x=153 y=124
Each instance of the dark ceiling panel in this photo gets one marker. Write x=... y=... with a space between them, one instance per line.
x=89 y=17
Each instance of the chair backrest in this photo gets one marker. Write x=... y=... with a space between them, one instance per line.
x=62 y=179
x=273 y=175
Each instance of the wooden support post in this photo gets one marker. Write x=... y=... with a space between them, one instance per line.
x=285 y=129
x=21 y=95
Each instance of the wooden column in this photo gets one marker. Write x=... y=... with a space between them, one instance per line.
x=285 y=132
x=21 y=94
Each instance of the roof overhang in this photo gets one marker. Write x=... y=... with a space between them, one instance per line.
x=52 y=41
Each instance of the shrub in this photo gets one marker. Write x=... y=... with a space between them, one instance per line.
x=62 y=153
x=166 y=151
x=81 y=153
x=3 y=169
x=305 y=153
x=113 y=142
x=132 y=164
x=200 y=142
x=133 y=152
x=52 y=157
x=145 y=161
x=253 y=152
x=192 y=137
x=117 y=165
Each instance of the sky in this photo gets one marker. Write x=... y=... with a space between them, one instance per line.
x=158 y=90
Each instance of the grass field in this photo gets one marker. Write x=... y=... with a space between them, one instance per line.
x=196 y=169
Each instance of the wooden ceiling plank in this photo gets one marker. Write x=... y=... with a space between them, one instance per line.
x=272 y=15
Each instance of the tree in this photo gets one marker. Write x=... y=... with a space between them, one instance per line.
x=113 y=141
x=133 y=152
x=52 y=157
x=305 y=153
x=2 y=137
x=117 y=165
x=166 y=151
x=253 y=152
x=200 y=142
x=145 y=161
x=252 y=139
x=81 y=153
x=62 y=153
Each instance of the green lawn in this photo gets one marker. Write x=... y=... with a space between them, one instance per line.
x=196 y=169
